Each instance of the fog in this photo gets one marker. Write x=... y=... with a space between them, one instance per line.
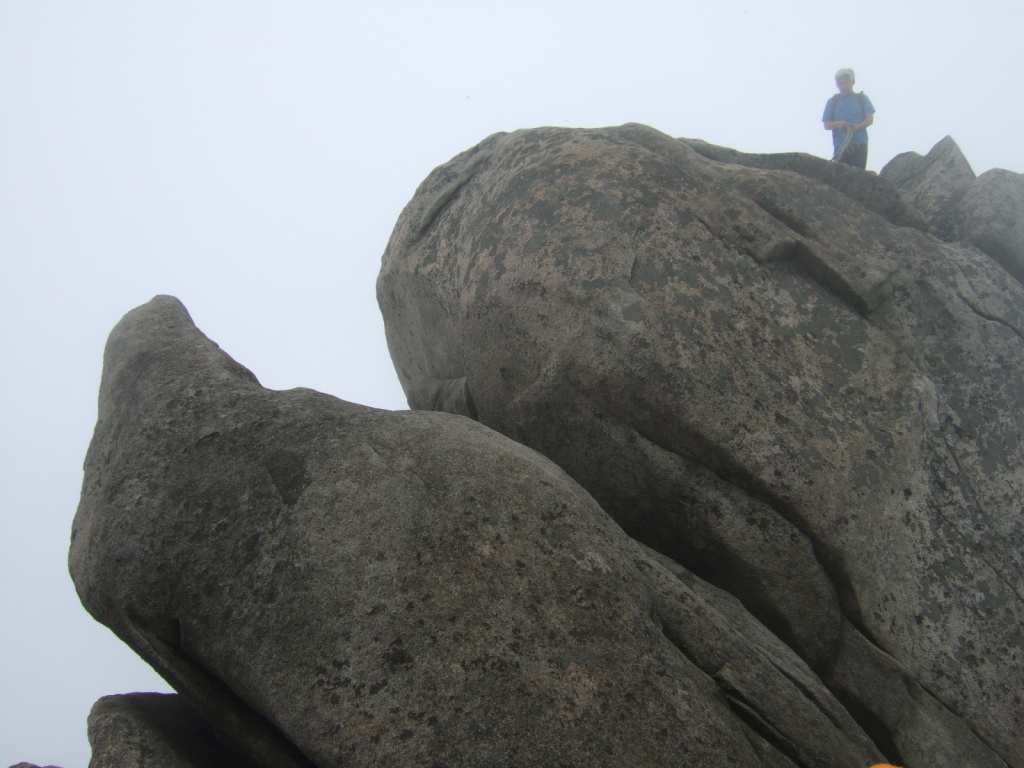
x=250 y=158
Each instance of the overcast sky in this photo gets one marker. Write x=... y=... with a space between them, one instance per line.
x=251 y=157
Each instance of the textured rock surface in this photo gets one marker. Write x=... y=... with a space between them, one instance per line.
x=986 y=211
x=755 y=374
x=876 y=193
x=154 y=730
x=934 y=184
x=334 y=585
x=991 y=216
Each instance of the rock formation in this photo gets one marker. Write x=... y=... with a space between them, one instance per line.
x=155 y=730
x=715 y=461
x=986 y=211
x=761 y=369
x=330 y=584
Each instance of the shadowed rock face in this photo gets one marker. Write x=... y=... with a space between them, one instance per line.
x=331 y=585
x=154 y=730
x=786 y=390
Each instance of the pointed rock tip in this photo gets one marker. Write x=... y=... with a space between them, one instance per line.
x=948 y=147
x=159 y=343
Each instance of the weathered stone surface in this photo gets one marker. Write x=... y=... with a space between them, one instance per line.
x=902 y=717
x=934 y=183
x=874 y=192
x=991 y=217
x=155 y=730
x=332 y=585
x=753 y=373
x=986 y=211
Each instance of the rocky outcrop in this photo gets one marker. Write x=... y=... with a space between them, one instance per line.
x=800 y=408
x=155 y=730
x=986 y=211
x=762 y=375
x=330 y=584
x=933 y=184
x=876 y=193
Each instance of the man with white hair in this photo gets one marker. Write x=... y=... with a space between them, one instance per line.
x=847 y=115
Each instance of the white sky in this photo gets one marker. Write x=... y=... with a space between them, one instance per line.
x=251 y=157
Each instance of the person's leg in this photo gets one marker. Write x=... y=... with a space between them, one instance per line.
x=855 y=155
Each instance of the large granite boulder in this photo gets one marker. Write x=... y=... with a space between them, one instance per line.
x=758 y=375
x=986 y=211
x=334 y=585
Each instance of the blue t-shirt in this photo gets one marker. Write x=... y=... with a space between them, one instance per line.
x=848 y=108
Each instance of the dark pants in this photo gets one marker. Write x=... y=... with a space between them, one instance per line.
x=856 y=155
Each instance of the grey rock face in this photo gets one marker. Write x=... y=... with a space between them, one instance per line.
x=876 y=193
x=331 y=585
x=934 y=184
x=761 y=377
x=154 y=730
x=986 y=211
x=991 y=217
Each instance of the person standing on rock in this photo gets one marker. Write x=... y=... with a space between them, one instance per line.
x=847 y=115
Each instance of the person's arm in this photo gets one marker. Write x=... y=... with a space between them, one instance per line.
x=830 y=111
x=842 y=125
x=868 y=120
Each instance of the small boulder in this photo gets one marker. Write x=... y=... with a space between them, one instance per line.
x=991 y=217
x=987 y=210
x=934 y=183
x=155 y=730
